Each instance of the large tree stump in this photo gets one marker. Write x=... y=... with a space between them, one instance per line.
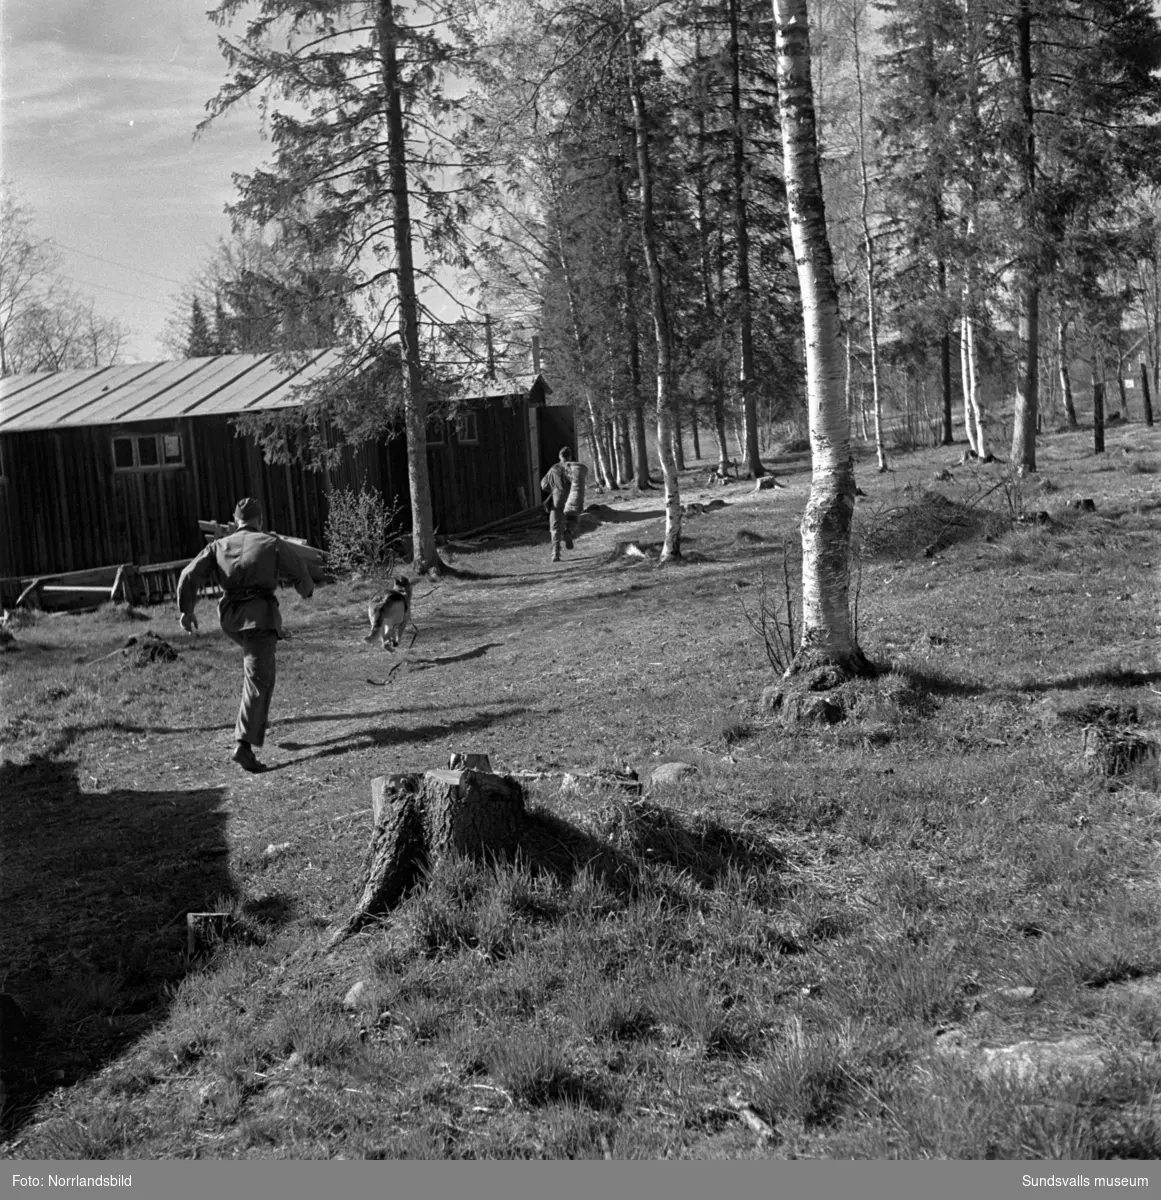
x=420 y=818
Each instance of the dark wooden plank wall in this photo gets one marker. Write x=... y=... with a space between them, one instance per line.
x=557 y=430
x=474 y=483
x=66 y=509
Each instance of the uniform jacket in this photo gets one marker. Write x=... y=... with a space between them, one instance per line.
x=557 y=482
x=248 y=564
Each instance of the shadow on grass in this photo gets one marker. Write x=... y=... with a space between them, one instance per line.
x=275 y=909
x=629 y=836
x=423 y=664
x=367 y=739
x=607 y=515
x=68 y=734
x=95 y=890
x=1111 y=677
x=934 y=684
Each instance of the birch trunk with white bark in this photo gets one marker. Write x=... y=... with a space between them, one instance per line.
x=827 y=631
x=965 y=370
x=1027 y=397
x=869 y=256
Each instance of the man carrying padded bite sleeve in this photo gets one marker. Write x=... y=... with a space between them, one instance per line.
x=248 y=564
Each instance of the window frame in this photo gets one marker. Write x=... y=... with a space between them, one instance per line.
x=162 y=462
x=438 y=427
x=465 y=420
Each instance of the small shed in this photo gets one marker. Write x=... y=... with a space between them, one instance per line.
x=118 y=464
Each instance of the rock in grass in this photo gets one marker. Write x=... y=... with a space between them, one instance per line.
x=624 y=778
x=1015 y=995
x=354 y=998
x=672 y=772
x=1029 y=1061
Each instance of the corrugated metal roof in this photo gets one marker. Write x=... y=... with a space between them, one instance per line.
x=479 y=385
x=190 y=387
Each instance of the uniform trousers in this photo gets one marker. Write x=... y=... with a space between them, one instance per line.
x=557 y=527
x=258 y=650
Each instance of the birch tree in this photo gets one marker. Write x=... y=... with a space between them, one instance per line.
x=827 y=631
x=870 y=256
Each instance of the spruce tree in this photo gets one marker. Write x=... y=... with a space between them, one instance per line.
x=200 y=343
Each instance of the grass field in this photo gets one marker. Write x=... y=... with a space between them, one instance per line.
x=930 y=930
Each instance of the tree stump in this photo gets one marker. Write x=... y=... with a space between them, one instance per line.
x=204 y=930
x=1112 y=751
x=421 y=818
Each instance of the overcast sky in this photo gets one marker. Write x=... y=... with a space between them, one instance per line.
x=100 y=100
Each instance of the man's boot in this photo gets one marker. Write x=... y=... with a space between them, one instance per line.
x=244 y=756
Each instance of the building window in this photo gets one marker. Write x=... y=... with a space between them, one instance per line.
x=436 y=431
x=147 y=451
x=466 y=428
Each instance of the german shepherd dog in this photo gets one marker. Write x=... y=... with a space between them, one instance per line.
x=389 y=614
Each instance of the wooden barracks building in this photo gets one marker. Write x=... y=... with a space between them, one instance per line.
x=118 y=464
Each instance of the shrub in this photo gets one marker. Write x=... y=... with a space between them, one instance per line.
x=774 y=619
x=361 y=532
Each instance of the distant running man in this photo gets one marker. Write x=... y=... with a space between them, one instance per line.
x=557 y=482
x=248 y=564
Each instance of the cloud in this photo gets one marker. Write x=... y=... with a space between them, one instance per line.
x=140 y=28
x=100 y=104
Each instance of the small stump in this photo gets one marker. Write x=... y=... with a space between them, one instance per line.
x=420 y=818
x=204 y=931
x=1111 y=751
x=150 y=649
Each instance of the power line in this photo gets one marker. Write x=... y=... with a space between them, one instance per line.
x=121 y=266
x=107 y=288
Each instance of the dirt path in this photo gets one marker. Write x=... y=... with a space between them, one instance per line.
x=533 y=662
